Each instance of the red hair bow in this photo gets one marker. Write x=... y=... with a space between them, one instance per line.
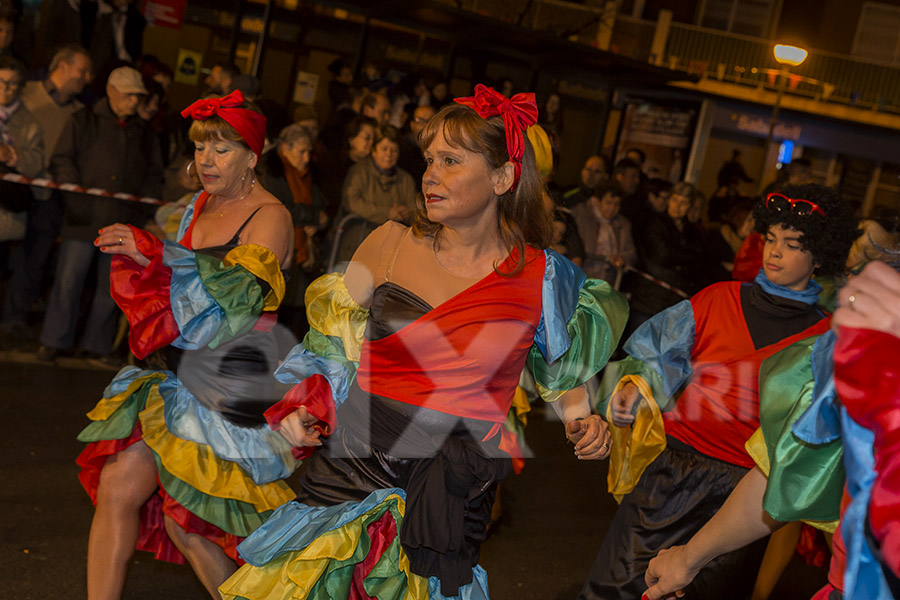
x=250 y=125
x=519 y=113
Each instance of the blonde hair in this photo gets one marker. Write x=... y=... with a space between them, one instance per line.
x=522 y=216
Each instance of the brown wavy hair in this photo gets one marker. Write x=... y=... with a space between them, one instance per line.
x=521 y=215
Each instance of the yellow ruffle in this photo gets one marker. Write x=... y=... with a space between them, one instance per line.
x=107 y=406
x=756 y=448
x=198 y=466
x=637 y=445
x=332 y=311
x=292 y=575
x=263 y=263
x=521 y=405
x=548 y=395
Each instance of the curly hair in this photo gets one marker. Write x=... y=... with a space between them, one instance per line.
x=827 y=238
x=523 y=218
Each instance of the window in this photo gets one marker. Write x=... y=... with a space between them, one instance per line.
x=747 y=17
x=878 y=33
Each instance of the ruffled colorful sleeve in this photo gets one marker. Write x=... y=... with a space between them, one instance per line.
x=805 y=479
x=659 y=364
x=191 y=300
x=867 y=377
x=323 y=366
x=581 y=323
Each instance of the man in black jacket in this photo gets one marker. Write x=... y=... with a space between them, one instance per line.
x=108 y=147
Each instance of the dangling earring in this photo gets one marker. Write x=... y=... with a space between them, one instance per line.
x=188 y=170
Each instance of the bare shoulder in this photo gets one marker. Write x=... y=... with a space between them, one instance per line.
x=367 y=263
x=271 y=227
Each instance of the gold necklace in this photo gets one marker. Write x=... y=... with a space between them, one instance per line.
x=221 y=213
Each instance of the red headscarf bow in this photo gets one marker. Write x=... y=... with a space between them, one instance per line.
x=250 y=125
x=519 y=113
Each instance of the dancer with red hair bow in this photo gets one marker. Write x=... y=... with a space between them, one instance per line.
x=436 y=321
x=179 y=460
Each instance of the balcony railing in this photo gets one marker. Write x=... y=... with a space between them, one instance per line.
x=748 y=60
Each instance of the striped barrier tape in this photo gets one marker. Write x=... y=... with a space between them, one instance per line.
x=658 y=282
x=71 y=187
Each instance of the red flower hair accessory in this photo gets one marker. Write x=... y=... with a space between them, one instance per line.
x=519 y=113
x=250 y=125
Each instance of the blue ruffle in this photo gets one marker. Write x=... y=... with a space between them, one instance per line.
x=477 y=590
x=294 y=526
x=810 y=295
x=665 y=343
x=186 y=217
x=821 y=422
x=197 y=314
x=300 y=363
x=125 y=376
x=863 y=577
x=559 y=297
x=262 y=453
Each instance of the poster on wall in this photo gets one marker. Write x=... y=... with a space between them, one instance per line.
x=165 y=13
x=305 y=87
x=663 y=132
x=187 y=67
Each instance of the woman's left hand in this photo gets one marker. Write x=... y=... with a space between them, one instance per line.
x=119 y=239
x=591 y=437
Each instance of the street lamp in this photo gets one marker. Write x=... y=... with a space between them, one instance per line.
x=788 y=56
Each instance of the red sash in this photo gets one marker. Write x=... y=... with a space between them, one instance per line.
x=465 y=356
x=719 y=409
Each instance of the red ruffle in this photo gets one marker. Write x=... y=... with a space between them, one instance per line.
x=143 y=295
x=315 y=394
x=867 y=379
x=748 y=260
x=152 y=536
x=812 y=547
x=381 y=533
x=509 y=443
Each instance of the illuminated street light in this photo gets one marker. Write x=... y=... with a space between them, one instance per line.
x=789 y=56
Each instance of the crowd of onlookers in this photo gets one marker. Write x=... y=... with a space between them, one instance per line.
x=340 y=177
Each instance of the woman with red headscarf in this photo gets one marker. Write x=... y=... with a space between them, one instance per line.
x=179 y=460
x=411 y=365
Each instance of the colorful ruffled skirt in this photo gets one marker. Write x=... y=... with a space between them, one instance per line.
x=216 y=478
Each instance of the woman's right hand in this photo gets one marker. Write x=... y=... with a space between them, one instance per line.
x=119 y=239
x=298 y=429
x=668 y=574
x=622 y=405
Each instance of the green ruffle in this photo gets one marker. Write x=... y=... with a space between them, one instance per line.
x=615 y=371
x=241 y=303
x=120 y=424
x=595 y=329
x=235 y=517
x=330 y=347
x=805 y=481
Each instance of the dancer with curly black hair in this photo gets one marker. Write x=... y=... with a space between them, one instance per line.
x=684 y=402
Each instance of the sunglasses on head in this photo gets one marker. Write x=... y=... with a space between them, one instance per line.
x=798 y=206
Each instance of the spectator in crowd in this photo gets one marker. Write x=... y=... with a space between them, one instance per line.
x=356 y=147
x=440 y=94
x=21 y=149
x=411 y=159
x=797 y=172
x=723 y=241
x=638 y=157
x=377 y=107
x=551 y=117
x=8 y=17
x=376 y=190
x=627 y=174
x=658 y=192
x=305 y=116
x=107 y=147
x=608 y=242
x=113 y=31
x=289 y=178
x=670 y=250
x=593 y=174
x=221 y=78
x=339 y=87
x=52 y=102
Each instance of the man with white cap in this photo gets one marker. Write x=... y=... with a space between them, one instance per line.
x=108 y=147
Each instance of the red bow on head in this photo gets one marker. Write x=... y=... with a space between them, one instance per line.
x=250 y=125
x=519 y=113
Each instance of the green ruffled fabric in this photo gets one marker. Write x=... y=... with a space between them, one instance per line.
x=120 y=424
x=615 y=371
x=235 y=517
x=241 y=303
x=330 y=347
x=805 y=481
x=595 y=329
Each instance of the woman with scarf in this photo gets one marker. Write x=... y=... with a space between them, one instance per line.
x=289 y=178
x=179 y=460
x=410 y=368
x=685 y=401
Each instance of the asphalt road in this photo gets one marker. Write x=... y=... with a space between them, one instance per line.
x=555 y=512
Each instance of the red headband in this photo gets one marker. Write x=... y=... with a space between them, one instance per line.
x=250 y=125
x=519 y=113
